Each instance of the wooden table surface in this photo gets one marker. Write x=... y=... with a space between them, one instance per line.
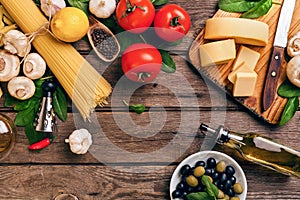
x=133 y=156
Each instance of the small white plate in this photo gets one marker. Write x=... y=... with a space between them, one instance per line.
x=204 y=155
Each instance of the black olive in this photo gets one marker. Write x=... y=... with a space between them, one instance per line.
x=208 y=171
x=211 y=162
x=230 y=192
x=199 y=188
x=223 y=177
x=229 y=170
x=177 y=194
x=215 y=176
x=233 y=179
x=227 y=185
x=220 y=186
x=190 y=189
x=181 y=186
x=185 y=169
x=200 y=163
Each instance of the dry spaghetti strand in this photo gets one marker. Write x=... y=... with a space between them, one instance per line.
x=84 y=85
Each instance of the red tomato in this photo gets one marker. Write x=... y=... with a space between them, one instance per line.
x=172 y=22
x=135 y=15
x=141 y=62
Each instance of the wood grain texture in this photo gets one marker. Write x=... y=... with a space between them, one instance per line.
x=42 y=175
x=218 y=74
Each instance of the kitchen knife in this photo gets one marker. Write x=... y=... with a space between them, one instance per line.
x=280 y=42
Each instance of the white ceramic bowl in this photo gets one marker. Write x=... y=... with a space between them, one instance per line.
x=204 y=155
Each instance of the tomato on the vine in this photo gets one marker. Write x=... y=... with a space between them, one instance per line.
x=172 y=22
x=135 y=16
x=141 y=62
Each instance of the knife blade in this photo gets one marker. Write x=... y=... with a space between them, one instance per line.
x=280 y=42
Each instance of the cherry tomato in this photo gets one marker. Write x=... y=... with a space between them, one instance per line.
x=135 y=15
x=141 y=62
x=172 y=22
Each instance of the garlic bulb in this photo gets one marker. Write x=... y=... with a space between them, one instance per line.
x=102 y=8
x=293 y=47
x=80 y=141
x=50 y=7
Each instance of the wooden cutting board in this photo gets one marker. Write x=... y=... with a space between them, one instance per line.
x=218 y=74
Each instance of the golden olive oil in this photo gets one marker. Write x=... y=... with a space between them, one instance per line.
x=259 y=149
x=7 y=135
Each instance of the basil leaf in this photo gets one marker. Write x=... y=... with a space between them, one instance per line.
x=22 y=105
x=9 y=100
x=211 y=189
x=258 y=10
x=168 y=64
x=289 y=110
x=82 y=5
x=236 y=5
x=126 y=39
x=60 y=104
x=287 y=89
x=199 y=196
x=138 y=108
x=159 y=2
x=32 y=135
x=25 y=117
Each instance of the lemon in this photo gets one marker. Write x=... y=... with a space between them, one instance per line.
x=69 y=24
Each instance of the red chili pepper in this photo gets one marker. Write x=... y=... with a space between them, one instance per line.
x=41 y=144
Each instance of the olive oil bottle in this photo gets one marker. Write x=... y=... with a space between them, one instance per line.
x=259 y=149
x=7 y=135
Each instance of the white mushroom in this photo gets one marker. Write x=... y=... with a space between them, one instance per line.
x=21 y=87
x=9 y=66
x=50 y=7
x=16 y=42
x=293 y=70
x=293 y=47
x=102 y=8
x=34 y=66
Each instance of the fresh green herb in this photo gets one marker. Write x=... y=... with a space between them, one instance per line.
x=32 y=135
x=289 y=110
x=60 y=104
x=168 y=64
x=236 y=5
x=199 y=196
x=37 y=2
x=258 y=10
x=249 y=8
x=81 y=4
x=287 y=89
x=138 y=108
x=159 y=2
x=211 y=189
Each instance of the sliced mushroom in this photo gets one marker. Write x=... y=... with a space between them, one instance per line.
x=9 y=66
x=16 y=42
x=293 y=70
x=21 y=87
x=34 y=66
x=293 y=47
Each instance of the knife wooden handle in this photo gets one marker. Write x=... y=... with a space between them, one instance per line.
x=272 y=77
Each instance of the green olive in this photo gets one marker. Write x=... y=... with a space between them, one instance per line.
x=221 y=166
x=235 y=198
x=226 y=197
x=238 y=188
x=199 y=171
x=192 y=181
x=221 y=194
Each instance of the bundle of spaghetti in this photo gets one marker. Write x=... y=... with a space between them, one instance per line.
x=84 y=85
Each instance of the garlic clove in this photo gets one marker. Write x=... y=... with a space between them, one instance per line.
x=34 y=66
x=107 y=46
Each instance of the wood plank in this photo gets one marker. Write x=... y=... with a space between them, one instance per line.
x=90 y=182
x=183 y=140
x=219 y=73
